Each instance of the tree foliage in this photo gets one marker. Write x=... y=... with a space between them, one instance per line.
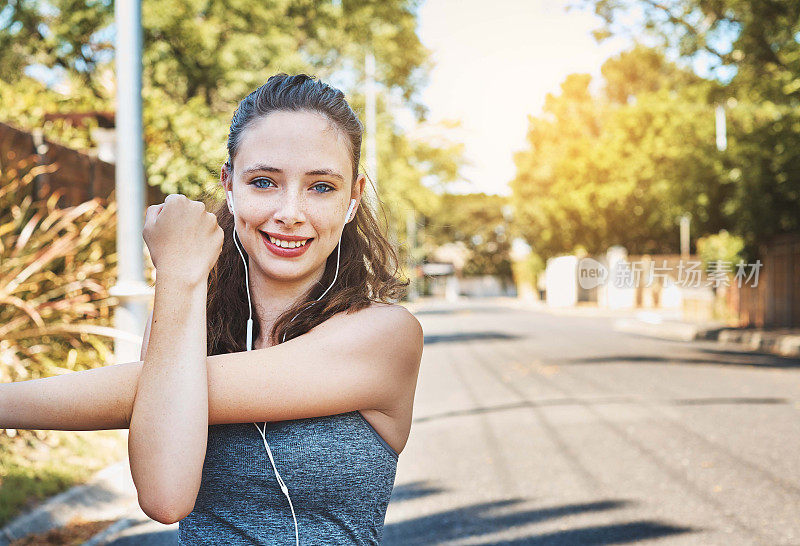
x=477 y=220
x=752 y=48
x=619 y=168
x=622 y=167
x=753 y=38
x=200 y=58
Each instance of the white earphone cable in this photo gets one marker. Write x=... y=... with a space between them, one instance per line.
x=280 y=480
x=249 y=303
x=263 y=433
x=335 y=274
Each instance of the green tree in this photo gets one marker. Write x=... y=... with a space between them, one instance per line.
x=620 y=168
x=476 y=219
x=754 y=39
x=752 y=46
x=219 y=49
x=720 y=247
x=201 y=58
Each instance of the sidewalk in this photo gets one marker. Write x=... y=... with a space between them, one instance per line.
x=103 y=508
x=667 y=324
x=777 y=341
x=650 y=324
x=784 y=342
x=106 y=497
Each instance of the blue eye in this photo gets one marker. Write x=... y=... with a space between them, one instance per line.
x=330 y=188
x=321 y=184
x=264 y=179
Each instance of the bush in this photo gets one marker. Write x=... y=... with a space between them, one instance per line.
x=720 y=247
x=57 y=267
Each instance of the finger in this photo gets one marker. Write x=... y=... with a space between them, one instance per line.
x=173 y=199
x=151 y=214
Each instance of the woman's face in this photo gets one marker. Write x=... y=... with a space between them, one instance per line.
x=292 y=177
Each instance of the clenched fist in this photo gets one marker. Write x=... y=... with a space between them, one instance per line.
x=184 y=240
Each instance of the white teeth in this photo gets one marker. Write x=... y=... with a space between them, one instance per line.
x=286 y=244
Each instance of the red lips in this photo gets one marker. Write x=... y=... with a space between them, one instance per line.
x=285 y=252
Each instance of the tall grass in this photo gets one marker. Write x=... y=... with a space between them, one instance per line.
x=56 y=270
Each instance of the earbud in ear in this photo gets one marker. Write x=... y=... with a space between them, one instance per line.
x=349 y=210
x=230 y=201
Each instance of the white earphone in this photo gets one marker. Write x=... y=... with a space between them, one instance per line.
x=250 y=342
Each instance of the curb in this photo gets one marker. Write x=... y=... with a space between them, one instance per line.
x=105 y=496
x=787 y=345
x=758 y=340
x=104 y=536
x=662 y=330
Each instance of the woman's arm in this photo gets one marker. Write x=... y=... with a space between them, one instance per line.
x=96 y=399
x=358 y=361
x=373 y=355
x=169 y=420
x=365 y=360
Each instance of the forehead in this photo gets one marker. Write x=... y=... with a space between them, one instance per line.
x=294 y=142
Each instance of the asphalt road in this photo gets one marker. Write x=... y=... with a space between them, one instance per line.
x=533 y=427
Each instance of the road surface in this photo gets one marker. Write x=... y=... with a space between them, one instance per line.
x=534 y=427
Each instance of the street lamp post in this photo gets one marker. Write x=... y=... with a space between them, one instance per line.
x=130 y=289
x=721 y=130
x=411 y=233
x=685 y=221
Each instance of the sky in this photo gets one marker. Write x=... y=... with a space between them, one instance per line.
x=494 y=64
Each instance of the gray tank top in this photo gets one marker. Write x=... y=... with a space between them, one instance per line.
x=339 y=471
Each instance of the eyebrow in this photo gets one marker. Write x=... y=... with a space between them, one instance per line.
x=317 y=172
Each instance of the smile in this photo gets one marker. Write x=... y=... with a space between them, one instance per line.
x=291 y=248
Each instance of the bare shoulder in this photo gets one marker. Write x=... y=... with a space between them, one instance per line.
x=393 y=329
x=382 y=322
x=395 y=340
x=390 y=338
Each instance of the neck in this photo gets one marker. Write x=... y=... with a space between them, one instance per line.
x=272 y=297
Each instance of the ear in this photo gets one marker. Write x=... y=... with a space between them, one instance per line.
x=361 y=182
x=358 y=192
x=225 y=177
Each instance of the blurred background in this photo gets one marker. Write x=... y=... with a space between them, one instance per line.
x=611 y=173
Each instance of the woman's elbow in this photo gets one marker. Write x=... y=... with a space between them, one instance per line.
x=162 y=512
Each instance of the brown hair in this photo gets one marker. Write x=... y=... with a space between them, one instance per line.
x=368 y=264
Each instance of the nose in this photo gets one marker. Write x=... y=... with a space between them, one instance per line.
x=290 y=210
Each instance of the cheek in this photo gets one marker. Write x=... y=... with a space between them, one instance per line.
x=253 y=216
x=324 y=225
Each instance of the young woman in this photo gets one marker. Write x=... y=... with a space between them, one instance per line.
x=294 y=441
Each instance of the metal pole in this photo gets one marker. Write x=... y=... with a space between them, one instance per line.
x=370 y=99
x=685 y=221
x=131 y=289
x=371 y=102
x=411 y=232
x=722 y=133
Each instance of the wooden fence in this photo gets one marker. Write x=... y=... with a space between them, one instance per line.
x=79 y=175
x=775 y=301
